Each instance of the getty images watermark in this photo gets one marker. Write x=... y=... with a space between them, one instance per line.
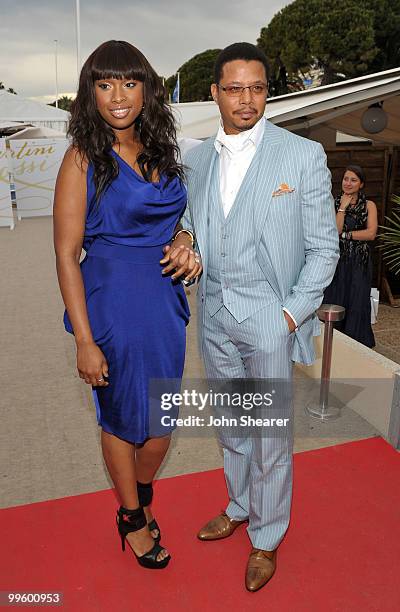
x=273 y=408
x=245 y=406
x=192 y=398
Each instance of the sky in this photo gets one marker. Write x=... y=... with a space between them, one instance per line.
x=168 y=32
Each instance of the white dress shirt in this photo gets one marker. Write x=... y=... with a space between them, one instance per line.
x=236 y=152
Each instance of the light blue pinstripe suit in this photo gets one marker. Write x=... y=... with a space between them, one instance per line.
x=275 y=252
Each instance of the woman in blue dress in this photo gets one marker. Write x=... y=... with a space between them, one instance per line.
x=119 y=195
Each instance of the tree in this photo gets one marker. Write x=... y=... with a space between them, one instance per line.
x=387 y=38
x=64 y=103
x=285 y=44
x=338 y=37
x=195 y=77
x=343 y=51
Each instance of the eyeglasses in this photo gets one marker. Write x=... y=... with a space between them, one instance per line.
x=236 y=90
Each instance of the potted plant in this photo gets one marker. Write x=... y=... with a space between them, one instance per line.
x=390 y=239
x=390 y=246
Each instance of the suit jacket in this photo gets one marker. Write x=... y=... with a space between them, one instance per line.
x=294 y=229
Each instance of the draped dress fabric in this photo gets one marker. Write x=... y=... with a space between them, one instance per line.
x=351 y=285
x=137 y=315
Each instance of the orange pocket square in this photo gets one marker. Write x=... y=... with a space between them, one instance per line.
x=282 y=189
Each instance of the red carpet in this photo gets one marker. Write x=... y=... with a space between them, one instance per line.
x=342 y=551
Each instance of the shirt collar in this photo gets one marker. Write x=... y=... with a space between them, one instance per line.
x=237 y=142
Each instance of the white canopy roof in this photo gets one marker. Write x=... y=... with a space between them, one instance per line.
x=16 y=108
x=36 y=132
x=339 y=106
x=5 y=125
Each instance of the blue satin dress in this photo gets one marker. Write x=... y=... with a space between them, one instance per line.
x=137 y=315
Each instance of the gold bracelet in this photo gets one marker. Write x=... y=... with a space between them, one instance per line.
x=341 y=210
x=188 y=232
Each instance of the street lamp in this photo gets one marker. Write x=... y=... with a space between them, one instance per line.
x=78 y=36
x=56 y=67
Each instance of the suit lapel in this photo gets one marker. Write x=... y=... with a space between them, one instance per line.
x=272 y=153
x=268 y=172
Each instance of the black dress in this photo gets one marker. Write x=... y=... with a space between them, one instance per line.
x=351 y=285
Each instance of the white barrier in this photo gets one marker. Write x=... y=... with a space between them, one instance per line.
x=35 y=164
x=6 y=212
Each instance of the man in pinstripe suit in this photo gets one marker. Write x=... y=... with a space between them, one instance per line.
x=260 y=207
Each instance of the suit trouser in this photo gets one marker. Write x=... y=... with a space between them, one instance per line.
x=258 y=468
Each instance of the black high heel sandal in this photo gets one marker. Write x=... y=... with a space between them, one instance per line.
x=145 y=497
x=133 y=520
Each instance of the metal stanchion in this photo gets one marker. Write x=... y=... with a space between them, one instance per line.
x=329 y=313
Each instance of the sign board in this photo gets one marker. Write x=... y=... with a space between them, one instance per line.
x=35 y=164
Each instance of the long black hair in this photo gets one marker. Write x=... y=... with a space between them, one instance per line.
x=155 y=126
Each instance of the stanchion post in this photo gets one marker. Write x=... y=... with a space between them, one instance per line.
x=329 y=313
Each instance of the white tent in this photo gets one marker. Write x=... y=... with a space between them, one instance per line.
x=336 y=107
x=7 y=128
x=9 y=125
x=36 y=132
x=16 y=108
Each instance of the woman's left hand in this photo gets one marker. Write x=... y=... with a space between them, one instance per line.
x=184 y=260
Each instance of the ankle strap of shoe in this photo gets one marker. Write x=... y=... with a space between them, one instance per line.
x=134 y=518
x=145 y=493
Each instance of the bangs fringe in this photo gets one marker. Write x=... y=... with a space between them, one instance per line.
x=117 y=60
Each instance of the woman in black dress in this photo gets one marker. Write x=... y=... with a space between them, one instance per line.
x=357 y=223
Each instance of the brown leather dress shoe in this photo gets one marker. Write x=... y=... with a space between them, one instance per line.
x=260 y=568
x=222 y=526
